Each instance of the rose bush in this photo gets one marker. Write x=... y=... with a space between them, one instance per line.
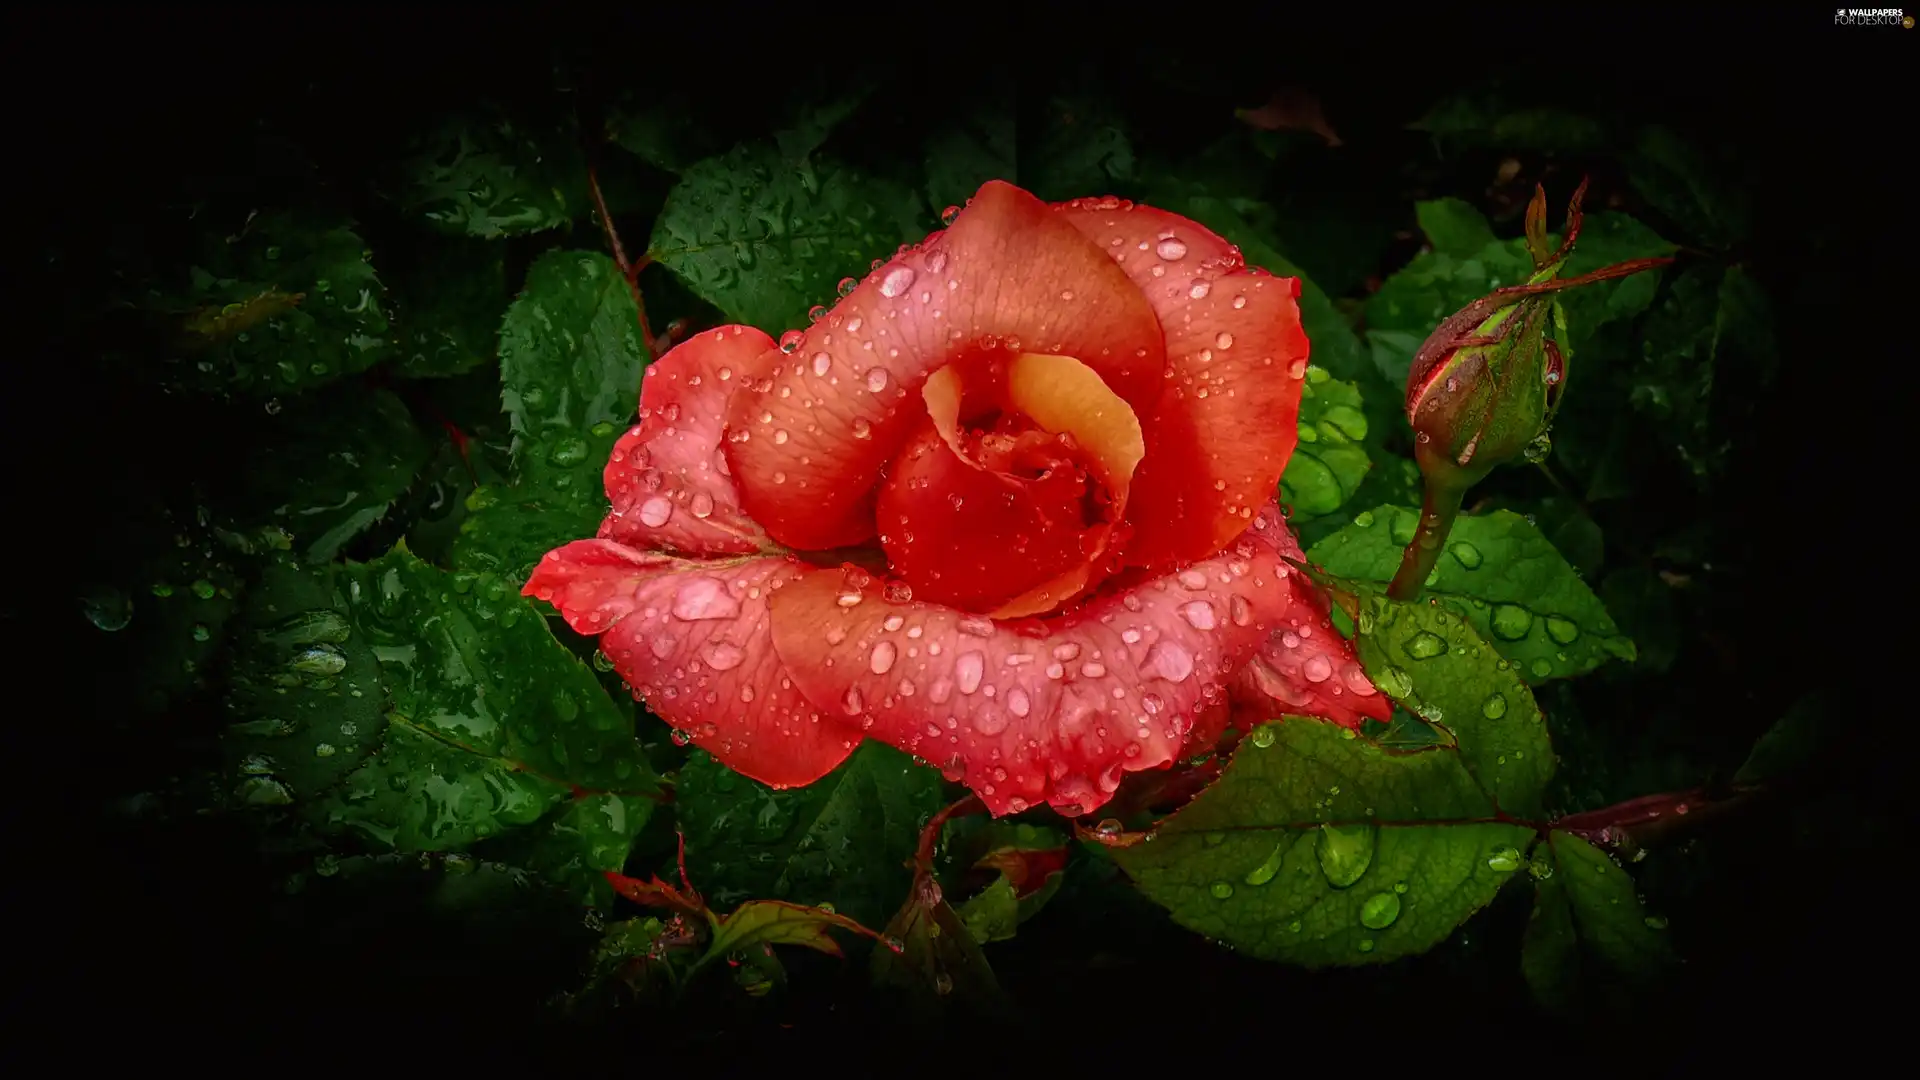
x=1009 y=507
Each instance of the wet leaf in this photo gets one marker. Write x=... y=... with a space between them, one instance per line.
x=331 y=467
x=285 y=302
x=571 y=360
x=1676 y=177
x=1585 y=906
x=1455 y=227
x=1330 y=462
x=1321 y=849
x=1438 y=282
x=487 y=174
x=774 y=922
x=1520 y=595
x=938 y=964
x=763 y=238
x=1431 y=662
x=844 y=839
x=448 y=299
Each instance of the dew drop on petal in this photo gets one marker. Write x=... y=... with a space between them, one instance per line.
x=1317 y=669
x=896 y=281
x=881 y=660
x=877 y=379
x=969 y=669
x=723 y=656
x=1199 y=615
x=1017 y=702
x=655 y=511
x=821 y=363
x=1171 y=249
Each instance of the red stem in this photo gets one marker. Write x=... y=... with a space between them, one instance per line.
x=630 y=271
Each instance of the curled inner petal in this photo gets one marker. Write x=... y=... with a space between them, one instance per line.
x=1007 y=500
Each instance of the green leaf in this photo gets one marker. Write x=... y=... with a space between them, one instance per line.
x=332 y=467
x=1455 y=227
x=589 y=835
x=491 y=722
x=763 y=238
x=286 y=303
x=488 y=175
x=1788 y=744
x=772 y=922
x=1318 y=848
x=844 y=839
x=938 y=965
x=664 y=131
x=1482 y=120
x=1083 y=148
x=1607 y=238
x=993 y=913
x=1677 y=179
x=1329 y=463
x=571 y=360
x=448 y=298
x=1434 y=285
x=1518 y=592
x=973 y=151
x=305 y=691
x=1428 y=659
x=1584 y=905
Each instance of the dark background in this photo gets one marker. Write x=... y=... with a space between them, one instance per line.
x=178 y=933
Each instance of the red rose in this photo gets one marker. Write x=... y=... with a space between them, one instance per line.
x=1063 y=425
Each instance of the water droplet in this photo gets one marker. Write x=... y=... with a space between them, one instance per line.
x=1466 y=555
x=1562 y=630
x=1221 y=889
x=1168 y=660
x=1510 y=622
x=655 y=511
x=108 y=608
x=568 y=452
x=203 y=589
x=1223 y=340
x=1263 y=873
x=1263 y=736
x=1505 y=859
x=704 y=598
x=947 y=215
x=1379 y=911
x=1363 y=519
x=702 y=505
x=1317 y=669
x=1018 y=703
x=724 y=656
x=861 y=428
x=816 y=313
x=1344 y=853
x=1171 y=249
x=822 y=363
x=1366 y=945
x=896 y=281
x=1199 y=615
x=969 y=669
x=943 y=984
x=1541 y=668
x=877 y=379
x=1539 y=448
x=847 y=285
x=1495 y=707
x=200 y=632
x=1655 y=922
x=790 y=341
x=880 y=661
x=1394 y=682
x=1426 y=645
x=320 y=660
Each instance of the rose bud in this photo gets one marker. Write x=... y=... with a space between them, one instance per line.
x=1484 y=386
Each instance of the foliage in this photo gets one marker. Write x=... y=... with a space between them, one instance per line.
x=424 y=390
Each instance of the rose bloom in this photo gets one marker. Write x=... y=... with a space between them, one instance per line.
x=1009 y=507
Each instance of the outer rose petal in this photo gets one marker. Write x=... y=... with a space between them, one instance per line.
x=667 y=477
x=692 y=639
x=1236 y=354
x=1034 y=711
x=808 y=443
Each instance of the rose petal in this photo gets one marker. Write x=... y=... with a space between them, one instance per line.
x=968 y=538
x=1236 y=354
x=809 y=443
x=1306 y=668
x=691 y=639
x=667 y=477
x=1031 y=711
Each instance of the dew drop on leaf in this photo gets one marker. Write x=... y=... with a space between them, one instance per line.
x=1494 y=707
x=1510 y=622
x=1221 y=889
x=1466 y=555
x=1263 y=736
x=1379 y=911
x=1426 y=645
x=1344 y=853
x=1562 y=630
x=1505 y=859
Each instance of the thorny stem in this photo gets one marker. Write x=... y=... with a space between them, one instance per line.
x=1439 y=507
x=630 y=271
